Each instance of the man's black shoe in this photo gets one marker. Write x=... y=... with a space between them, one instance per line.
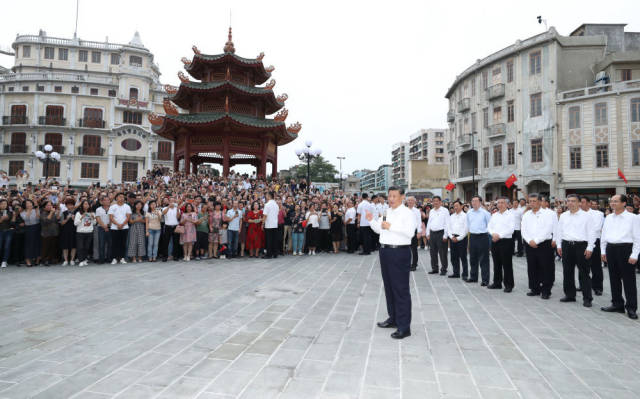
x=471 y=280
x=533 y=293
x=364 y=253
x=465 y=278
x=433 y=272
x=545 y=296
x=413 y=268
x=443 y=273
x=495 y=286
x=454 y=276
x=387 y=324
x=400 y=334
x=612 y=309
x=597 y=292
x=508 y=289
x=586 y=303
x=578 y=288
x=483 y=284
x=567 y=299
x=632 y=314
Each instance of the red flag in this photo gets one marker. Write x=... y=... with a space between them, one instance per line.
x=621 y=175
x=512 y=179
x=450 y=186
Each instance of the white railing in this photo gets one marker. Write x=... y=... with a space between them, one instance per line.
x=56 y=76
x=71 y=42
x=594 y=90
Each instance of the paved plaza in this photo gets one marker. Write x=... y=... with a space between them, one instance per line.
x=299 y=327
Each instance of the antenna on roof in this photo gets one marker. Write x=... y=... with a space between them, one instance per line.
x=75 y=32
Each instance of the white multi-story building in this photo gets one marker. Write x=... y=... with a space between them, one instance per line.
x=87 y=99
x=502 y=109
x=430 y=145
x=376 y=181
x=399 y=164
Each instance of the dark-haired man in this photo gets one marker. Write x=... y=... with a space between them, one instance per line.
x=458 y=235
x=501 y=227
x=437 y=233
x=620 y=247
x=270 y=220
x=365 y=227
x=396 y=228
x=479 y=241
x=595 y=263
x=538 y=225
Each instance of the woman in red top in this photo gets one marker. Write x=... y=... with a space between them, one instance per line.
x=255 y=234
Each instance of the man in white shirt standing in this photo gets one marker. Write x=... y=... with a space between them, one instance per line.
x=119 y=216
x=352 y=231
x=620 y=247
x=365 y=226
x=270 y=220
x=538 y=225
x=519 y=207
x=437 y=232
x=396 y=228
x=595 y=263
x=574 y=239
x=501 y=227
x=458 y=235
x=411 y=202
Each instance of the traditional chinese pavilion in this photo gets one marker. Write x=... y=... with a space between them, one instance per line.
x=225 y=119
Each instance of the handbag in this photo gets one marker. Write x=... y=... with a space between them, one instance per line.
x=179 y=229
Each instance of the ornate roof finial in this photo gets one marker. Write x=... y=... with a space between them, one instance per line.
x=228 y=47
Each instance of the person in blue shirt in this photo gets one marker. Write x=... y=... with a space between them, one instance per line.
x=479 y=241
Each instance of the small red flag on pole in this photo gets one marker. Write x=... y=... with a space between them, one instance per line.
x=450 y=186
x=509 y=182
x=621 y=175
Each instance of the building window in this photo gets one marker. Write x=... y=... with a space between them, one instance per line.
x=497 y=114
x=90 y=170
x=55 y=140
x=131 y=144
x=511 y=153
x=625 y=74
x=485 y=118
x=602 y=156
x=18 y=143
x=15 y=166
x=485 y=80
x=635 y=110
x=95 y=57
x=54 y=115
x=39 y=88
x=92 y=118
x=115 y=58
x=536 y=150
x=11 y=88
x=129 y=171
x=600 y=110
x=574 y=118
x=536 y=105
x=49 y=53
x=53 y=169
x=63 y=54
x=575 y=157
x=25 y=88
x=510 y=111
x=497 y=155
x=485 y=157
x=94 y=91
x=135 y=61
x=132 y=117
x=164 y=150
x=112 y=93
x=635 y=153
x=75 y=89
x=57 y=89
x=439 y=150
x=83 y=56
x=91 y=145
x=26 y=51
x=473 y=122
x=509 y=71
x=534 y=63
x=473 y=86
x=133 y=93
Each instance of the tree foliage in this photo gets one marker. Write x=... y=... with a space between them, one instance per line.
x=320 y=170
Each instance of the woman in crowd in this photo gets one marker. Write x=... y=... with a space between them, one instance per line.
x=336 y=228
x=202 y=233
x=153 y=228
x=84 y=221
x=297 y=233
x=137 y=233
x=242 y=236
x=32 y=238
x=188 y=237
x=7 y=225
x=68 y=232
x=215 y=221
x=312 y=228
x=255 y=233
x=16 y=255
x=49 y=232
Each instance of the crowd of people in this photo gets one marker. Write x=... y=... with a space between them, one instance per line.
x=174 y=216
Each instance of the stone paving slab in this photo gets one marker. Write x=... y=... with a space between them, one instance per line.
x=299 y=327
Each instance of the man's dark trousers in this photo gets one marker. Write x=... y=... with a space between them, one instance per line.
x=622 y=272
x=438 y=247
x=271 y=241
x=459 y=255
x=541 y=267
x=365 y=237
x=502 y=254
x=395 y=266
x=595 y=263
x=414 y=250
x=479 y=254
x=517 y=237
x=352 y=237
x=572 y=256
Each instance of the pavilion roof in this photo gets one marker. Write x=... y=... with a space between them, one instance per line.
x=195 y=68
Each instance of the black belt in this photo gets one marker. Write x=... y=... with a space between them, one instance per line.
x=437 y=231
x=394 y=246
x=479 y=234
x=620 y=244
x=573 y=242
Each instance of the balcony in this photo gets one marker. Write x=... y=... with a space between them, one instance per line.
x=451 y=116
x=162 y=156
x=467 y=172
x=495 y=91
x=57 y=148
x=451 y=146
x=464 y=105
x=52 y=120
x=15 y=120
x=464 y=140
x=90 y=122
x=16 y=149
x=91 y=151
x=497 y=130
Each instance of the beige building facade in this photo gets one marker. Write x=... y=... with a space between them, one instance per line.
x=90 y=101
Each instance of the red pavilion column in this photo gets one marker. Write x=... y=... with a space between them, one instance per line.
x=194 y=168
x=176 y=160
x=262 y=169
x=225 y=156
x=187 y=154
x=274 y=165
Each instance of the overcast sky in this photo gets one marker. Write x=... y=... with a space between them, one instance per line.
x=360 y=75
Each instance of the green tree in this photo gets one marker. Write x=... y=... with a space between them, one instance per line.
x=320 y=170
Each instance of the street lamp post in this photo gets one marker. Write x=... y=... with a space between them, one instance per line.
x=341 y=159
x=307 y=154
x=47 y=157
